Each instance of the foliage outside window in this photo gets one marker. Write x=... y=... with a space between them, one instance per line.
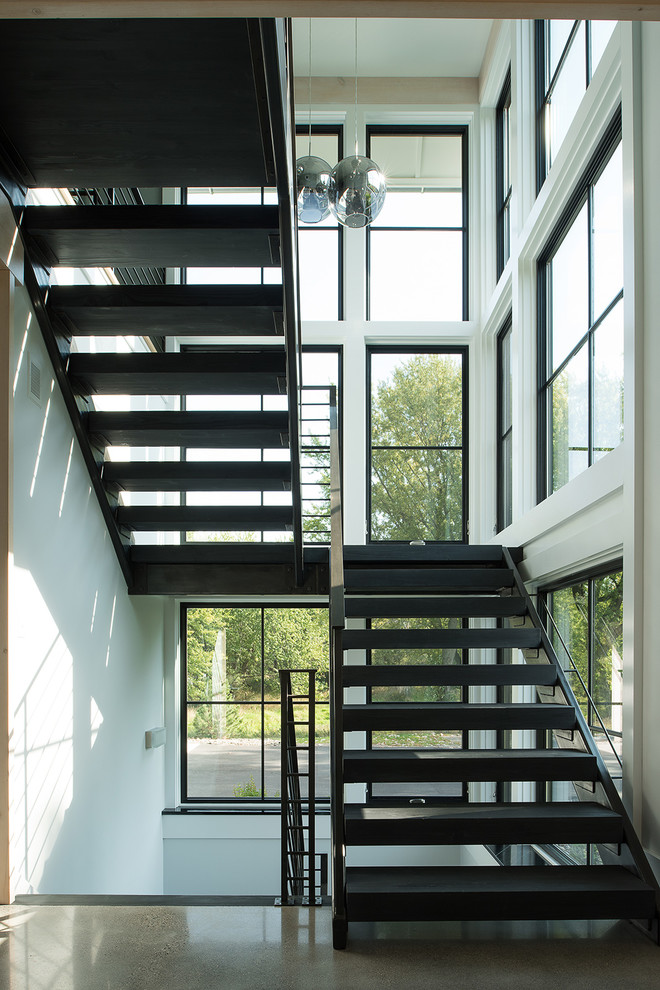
x=581 y=325
x=503 y=177
x=567 y=55
x=320 y=244
x=418 y=448
x=504 y=429
x=230 y=697
x=417 y=247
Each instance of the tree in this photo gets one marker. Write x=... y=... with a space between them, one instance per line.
x=417 y=456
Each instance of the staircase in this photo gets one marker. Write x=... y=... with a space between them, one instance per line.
x=416 y=758
x=216 y=112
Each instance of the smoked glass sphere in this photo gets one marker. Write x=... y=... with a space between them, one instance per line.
x=357 y=191
x=313 y=184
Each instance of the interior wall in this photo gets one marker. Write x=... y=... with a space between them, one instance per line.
x=86 y=667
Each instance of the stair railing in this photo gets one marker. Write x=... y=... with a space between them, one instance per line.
x=637 y=857
x=298 y=840
x=337 y=623
x=277 y=49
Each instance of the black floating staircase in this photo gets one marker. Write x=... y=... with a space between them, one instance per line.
x=161 y=105
x=436 y=744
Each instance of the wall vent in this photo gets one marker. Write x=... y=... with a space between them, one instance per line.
x=34 y=381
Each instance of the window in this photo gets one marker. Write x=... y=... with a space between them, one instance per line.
x=320 y=245
x=581 y=324
x=230 y=697
x=504 y=429
x=418 y=444
x=418 y=246
x=503 y=177
x=567 y=54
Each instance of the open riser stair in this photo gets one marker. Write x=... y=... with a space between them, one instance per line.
x=440 y=747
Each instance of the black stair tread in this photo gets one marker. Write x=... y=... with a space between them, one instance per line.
x=182 y=310
x=403 y=580
x=475 y=674
x=449 y=639
x=177 y=236
x=442 y=553
x=482 y=823
x=196 y=373
x=456 y=715
x=193 y=429
x=217 y=476
x=496 y=892
x=462 y=607
x=396 y=765
x=176 y=517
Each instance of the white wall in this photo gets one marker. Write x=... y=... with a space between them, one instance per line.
x=86 y=668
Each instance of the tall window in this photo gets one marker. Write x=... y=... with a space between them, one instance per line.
x=418 y=444
x=230 y=697
x=418 y=246
x=504 y=429
x=320 y=244
x=567 y=54
x=503 y=177
x=581 y=324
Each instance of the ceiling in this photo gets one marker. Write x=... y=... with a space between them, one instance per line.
x=391 y=46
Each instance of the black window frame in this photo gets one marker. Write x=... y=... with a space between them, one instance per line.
x=464 y=351
x=338 y=130
x=504 y=513
x=582 y=193
x=503 y=189
x=431 y=130
x=264 y=803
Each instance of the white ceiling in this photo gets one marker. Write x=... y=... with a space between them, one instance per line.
x=390 y=47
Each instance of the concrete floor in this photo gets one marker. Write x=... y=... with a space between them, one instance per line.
x=163 y=947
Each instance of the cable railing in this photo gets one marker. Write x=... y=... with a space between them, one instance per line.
x=573 y=669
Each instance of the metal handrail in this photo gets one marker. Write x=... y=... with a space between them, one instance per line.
x=277 y=51
x=574 y=670
x=337 y=623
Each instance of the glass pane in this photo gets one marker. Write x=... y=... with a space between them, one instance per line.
x=558 y=34
x=569 y=290
x=601 y=32
x=217 y=196
x=608 y=383
x=507 y=481
x=224 y=751
x=607 y=689
x=223 y=276
x=416 y=275
x=570 y=420
x=570 y=610
x=323 y=146
x=295 y=637
x=608 y=234
x=426 y=161
x=568 y=92
x=223 y=654
x=505 y=380
x=425 y=208
x=416 y=399
x=422 y=693
x=417 y=495
x=319 y=273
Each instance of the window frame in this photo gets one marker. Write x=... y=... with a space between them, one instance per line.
x=464 y=351
x=264 y=803
x=432 y=130
x=582 y=193
x=503 y=518
x=338 y=130
x=502 y=157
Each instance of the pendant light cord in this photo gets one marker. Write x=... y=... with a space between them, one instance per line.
x=356 y=87
x=309 y=147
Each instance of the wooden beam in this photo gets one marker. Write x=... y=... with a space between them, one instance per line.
x=595 y=9
x=6 y=286
x=390 y=91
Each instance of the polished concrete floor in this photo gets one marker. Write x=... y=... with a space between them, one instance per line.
x=161 y=947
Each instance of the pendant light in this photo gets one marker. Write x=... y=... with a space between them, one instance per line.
x=357 y=185
x=312 y=173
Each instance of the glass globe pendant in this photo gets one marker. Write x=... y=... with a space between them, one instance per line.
x=357 y=191
x=313 y=186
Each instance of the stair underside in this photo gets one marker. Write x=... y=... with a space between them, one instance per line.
x=481 y=824
x=179 y=310
x=457 y=580
x=191 y=429
x=483 y=606
x=428 y=765
x=454 y=715
x=469 y=674
x=495 y=892
x=179 y=517
x=217 y=476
